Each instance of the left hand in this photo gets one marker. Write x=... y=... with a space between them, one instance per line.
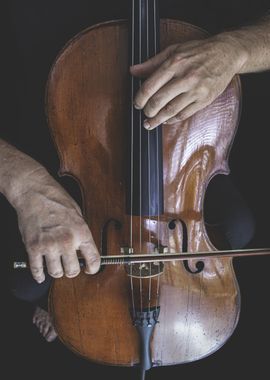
x=184 y=78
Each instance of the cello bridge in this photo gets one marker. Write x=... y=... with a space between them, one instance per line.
x=144 y=270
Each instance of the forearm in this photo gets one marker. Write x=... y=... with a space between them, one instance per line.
x=50 y=221
x=17 y=172
x=253 y=44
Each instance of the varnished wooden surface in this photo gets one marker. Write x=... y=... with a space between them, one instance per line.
x=87 y=113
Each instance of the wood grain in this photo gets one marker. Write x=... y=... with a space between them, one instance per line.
x=87 y=103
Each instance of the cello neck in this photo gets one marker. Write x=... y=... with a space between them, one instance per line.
x=145 y=171
x=144 y=30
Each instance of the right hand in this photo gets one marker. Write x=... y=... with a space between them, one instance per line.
x=52 y=227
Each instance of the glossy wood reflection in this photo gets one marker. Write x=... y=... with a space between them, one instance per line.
x=87 y=113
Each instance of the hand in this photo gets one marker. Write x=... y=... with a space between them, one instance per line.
x=52 y=226
x=184 y=78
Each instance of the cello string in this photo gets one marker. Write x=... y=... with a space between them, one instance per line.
x=157 y=158
x=149 y=166
x=140 y=126
x=131 y=160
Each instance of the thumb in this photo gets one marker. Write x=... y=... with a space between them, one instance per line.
x=146 y=68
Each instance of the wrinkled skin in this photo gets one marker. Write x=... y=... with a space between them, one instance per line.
x=52 y=227
x=180 y=81
x=184 y=78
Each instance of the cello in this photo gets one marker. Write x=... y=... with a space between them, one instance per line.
x=143 y=192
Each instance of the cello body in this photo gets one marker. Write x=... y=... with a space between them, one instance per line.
x=87 y=105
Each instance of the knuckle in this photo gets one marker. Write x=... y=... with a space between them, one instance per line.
x=93 y=260
x=170 y=109
x=36 y=271
x=33 y=245
x=66 y=237
x=203 y=89
x=85 y=234
x=192 y=78
x=90 y=256
x=40 y=245
x=176 y=58
x=84 y=238
x=84 y=230
x=153 y=103
x=86 y=244
x=146 y=90
x=152 y=107
x=170 y=49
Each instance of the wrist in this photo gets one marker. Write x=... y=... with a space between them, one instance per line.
x=22 y=184
x=238 y=51
x=18 y=173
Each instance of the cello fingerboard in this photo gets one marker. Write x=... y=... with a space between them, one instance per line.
x=145 y=170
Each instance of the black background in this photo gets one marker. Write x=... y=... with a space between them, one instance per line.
x=35 y=31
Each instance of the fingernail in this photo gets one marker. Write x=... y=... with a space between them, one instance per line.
x=72 y=275
x=93 y=266
x=136 y=107
x=91 y=271
x=146 y=125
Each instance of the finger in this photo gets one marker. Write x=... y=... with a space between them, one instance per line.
x=42 y=327
x=54 y=265
x=39 y=323
x=71 y=264
x=45 y=329
x=151 y=85
x=171 y=109
x=167 y=93
x=91 y=256
x=51 y=335
x=36 y=267
x=187 y=112
x=146 y=68
x=36 y=314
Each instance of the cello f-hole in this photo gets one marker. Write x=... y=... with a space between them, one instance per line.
x=200 y=264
